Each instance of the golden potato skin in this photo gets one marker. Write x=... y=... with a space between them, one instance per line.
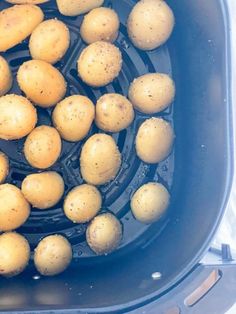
x=43 y=190
x=17 y=23
x=150 y=24
x=82 y=203
x=26 y=1
x=14 y=209
x=41 y=82
x=154 y=140
x=99 y=64
x=77 y=7
x=100 y=159
x=14 y=254
x=104 y=234
x=42 y=147
x=49 y=41
x=4 y=167
x=5 y=77
x=100 y=24
x=150 y=202
x=73 y=117
x=114 y=113
x=18 y=117
x=52 y=255
x=152 y=93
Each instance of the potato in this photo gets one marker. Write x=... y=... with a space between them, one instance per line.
x=5 y=77
x=49 y=41
x=99 y=64
x=150 y=202
x=73 y=117
x=14 y=254
x=82 y=203
x=18 y=117
x=100 y=24
x=154 y=140
x=114 y=113
x=77 y=7
x=52 y=255
x=41 y=82
x=42 y=147
x=14 y=209
x=4 y=167
x=100 y=159
x=150 y=24
x=17 y=23
x=26 y=1
x=104 y=234
x=43 y=190
x=152 y=93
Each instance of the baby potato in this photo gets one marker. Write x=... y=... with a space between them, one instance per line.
x=100 y=159
x=5 y=77
x=82 y=203
x=52 y=255
x=104 y=234
x=43 y=190
x=4 y=167
x=114 y=113
x=150 y=202
x=14 y=209
x=49 y=41
x=99 y=64
x=41 y=82
x=77 y=7
x=17 y=23
x=42 y=147
x=150 y=24
x=154 y=140
x=26 y=1
x=14 y=254
x=100 y=24
x=73 y=117
x=18 y=117
x=152 y=93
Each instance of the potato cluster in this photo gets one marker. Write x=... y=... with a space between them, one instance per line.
x=149 y=25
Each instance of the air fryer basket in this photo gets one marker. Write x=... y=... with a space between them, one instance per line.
x=196 y=56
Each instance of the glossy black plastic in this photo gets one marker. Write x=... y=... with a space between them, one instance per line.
x=197 y=57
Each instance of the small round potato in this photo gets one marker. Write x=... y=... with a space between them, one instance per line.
x=100 y=159
x=18 y=117
x=73 y=117
x=4 y=167
x=14 y=254
x=82 y=203
x=49 y=41
x=99 y=64
x=150 y=24
x=14 y=209
x=27 y=1
x=41 y=82
x=100 y=24
x=154 y=140
x=104 y=234
x=17 y=23
x=150 y=202
x=5 y=77
x=43 y=190
x=152 y=93
x=52 y=255
x=42 y=147
x=114 y=113
x=77 y=7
